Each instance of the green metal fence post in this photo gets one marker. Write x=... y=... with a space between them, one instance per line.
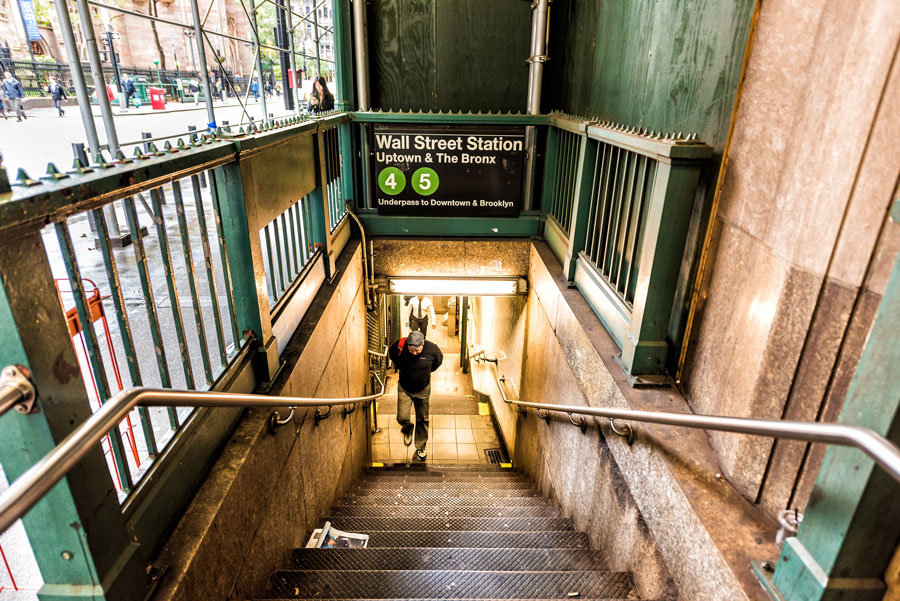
x=584 y=182
x=248 y=285
x=320 y=209
x=852 y=523
x=550 y=167
x=644 y=346
x=77 y=532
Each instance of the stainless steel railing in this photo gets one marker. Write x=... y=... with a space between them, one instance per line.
x=880 y=449
x=31 y=486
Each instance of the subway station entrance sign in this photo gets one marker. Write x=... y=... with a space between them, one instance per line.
x=449 y=170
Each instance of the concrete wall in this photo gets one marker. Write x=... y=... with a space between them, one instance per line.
x=577 y=470
x=802 y=243
x=499 y=329
x=659 y=507
x=267 y=492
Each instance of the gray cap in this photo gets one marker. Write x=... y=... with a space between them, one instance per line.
x=415 y=339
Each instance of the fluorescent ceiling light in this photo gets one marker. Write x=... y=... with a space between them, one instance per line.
x=455 y=286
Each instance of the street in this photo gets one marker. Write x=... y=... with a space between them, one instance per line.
x=46 y=137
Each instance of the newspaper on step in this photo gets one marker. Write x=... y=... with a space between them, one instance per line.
x=329 y=537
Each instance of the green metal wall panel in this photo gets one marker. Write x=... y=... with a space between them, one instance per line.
x=669 y=65
x=456 y=55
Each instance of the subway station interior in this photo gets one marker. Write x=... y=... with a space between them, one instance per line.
x=661 y=245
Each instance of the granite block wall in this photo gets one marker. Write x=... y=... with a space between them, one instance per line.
x=802 y=241
x=267 y=492
x=500 y=331
x=659 y=507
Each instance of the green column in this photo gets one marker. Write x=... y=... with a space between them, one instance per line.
x=79 y=536
x=852 y=523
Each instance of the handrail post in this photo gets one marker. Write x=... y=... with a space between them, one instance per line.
x=839 y=537
x=77 y=531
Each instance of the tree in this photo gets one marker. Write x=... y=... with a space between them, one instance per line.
x=154 y=12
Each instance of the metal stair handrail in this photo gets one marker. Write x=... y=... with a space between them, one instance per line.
x=31 y=486
x=880 y=449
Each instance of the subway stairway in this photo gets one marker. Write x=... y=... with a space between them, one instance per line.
x=462 y=531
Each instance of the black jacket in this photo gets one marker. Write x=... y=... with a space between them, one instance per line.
x=415 y=370
x=57 y=92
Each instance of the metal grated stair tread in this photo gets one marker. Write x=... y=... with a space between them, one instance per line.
x=467 y=538
x=490 y=479
x=461 y=485
x=446 y=500
x=427 y=558
x=443 y=584
x=441 y=467
x=492 y=524
x=459 y=511
x=471 y=493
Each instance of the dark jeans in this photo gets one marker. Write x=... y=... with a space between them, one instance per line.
x=420 y=400
x=420 y=324
x=58 y=104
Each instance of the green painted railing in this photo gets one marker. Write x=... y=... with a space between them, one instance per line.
x=618 y=202
x=289 y=244
x=169 y=300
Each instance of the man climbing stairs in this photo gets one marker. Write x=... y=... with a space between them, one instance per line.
x=450 y=532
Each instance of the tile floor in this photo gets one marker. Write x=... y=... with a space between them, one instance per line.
x=453 y=437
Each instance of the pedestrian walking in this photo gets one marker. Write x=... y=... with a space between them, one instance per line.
x=130 y=90
x=15 y=93
x=194 y=89
x=415 y=359
x=421 y=313
x=57 y=93
x=254 y=87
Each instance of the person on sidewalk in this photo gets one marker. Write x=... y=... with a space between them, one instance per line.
x=415 y=359
x=15 y=93
x=254 y=87
x=130 y=90
x=194 y=89
x=57 y=93
x=421 y=313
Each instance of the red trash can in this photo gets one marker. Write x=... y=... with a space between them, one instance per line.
x=157 y=98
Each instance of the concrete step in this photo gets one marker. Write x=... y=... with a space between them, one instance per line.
x=442 y=511
x=445 y=559
x=448 y=584
x=494 y=524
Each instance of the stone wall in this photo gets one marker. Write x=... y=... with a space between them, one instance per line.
x=500 y=331
x=266 y=492
x=802 y=242
x=658 y=507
